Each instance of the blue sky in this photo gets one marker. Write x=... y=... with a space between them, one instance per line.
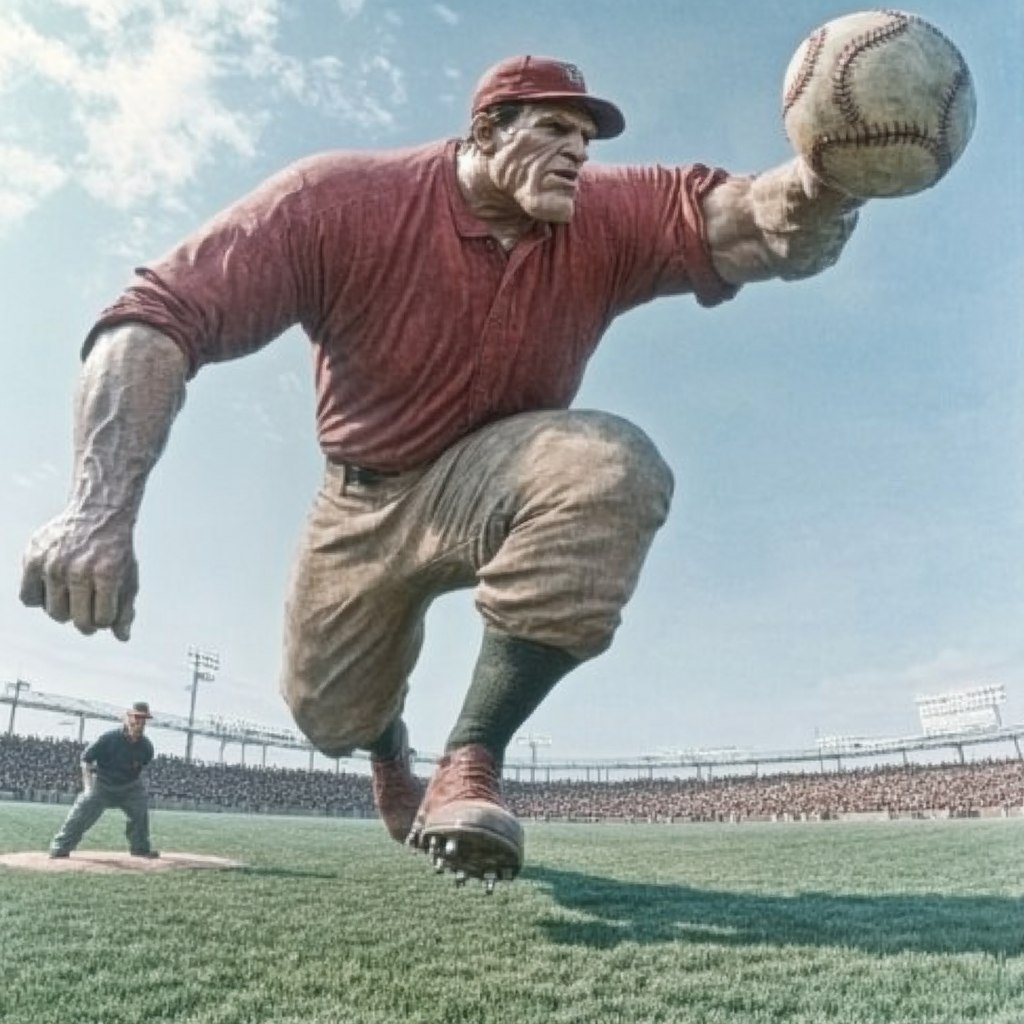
x=848 y=530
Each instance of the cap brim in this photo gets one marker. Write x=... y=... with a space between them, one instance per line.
x=608 y=119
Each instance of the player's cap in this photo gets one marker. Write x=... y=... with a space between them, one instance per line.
x=140 y=709
x=544 y=78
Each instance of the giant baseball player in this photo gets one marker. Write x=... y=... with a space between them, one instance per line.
x=452 y=294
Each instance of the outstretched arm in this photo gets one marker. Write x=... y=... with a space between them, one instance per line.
x=81 y=565
x=781 y=224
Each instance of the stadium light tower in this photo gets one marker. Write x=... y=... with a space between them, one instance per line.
x=204 y=664
x=973 y=710
x=15 y=689
x=533 y=741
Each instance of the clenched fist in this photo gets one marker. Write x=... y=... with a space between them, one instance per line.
x=80 y=567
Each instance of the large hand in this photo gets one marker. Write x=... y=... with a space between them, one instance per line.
x=805 y=223
x=81 y=567
x=784 y=223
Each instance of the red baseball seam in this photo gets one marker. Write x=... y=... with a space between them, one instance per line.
x=815 y=44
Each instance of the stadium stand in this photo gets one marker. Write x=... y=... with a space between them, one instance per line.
x=954 y=790
x=46 y=770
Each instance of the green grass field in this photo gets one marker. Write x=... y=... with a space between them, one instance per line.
x=330 y=922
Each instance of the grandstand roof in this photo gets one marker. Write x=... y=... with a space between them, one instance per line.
x=242 y=732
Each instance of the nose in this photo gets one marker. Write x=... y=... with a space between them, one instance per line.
x=578 y=149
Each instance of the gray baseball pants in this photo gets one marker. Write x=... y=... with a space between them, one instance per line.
x=549 y=515
x=130 y=797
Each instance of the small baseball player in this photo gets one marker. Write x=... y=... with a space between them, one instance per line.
x=111 y=774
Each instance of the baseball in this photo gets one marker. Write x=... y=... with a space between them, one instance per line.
x=879 y=103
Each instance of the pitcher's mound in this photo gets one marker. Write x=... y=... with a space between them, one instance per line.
x=112 y=860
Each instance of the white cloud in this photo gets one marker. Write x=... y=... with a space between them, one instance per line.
x=26 y=179
x=326 y=84
x=446 y=14
x=141 y=84
x=27 y=54
x=133 y=99
x=150 y=123
x=43 y=473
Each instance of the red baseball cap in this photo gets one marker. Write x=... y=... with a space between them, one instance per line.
x=545 y=78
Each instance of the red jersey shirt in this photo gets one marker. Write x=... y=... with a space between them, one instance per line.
x=422 y=327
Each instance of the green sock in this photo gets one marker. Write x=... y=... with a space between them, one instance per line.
x=388 y=744
x=511 y=678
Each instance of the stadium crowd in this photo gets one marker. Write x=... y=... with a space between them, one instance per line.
x=33 y=768
x=957 y=789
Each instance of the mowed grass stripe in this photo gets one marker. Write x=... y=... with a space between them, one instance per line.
x=330 y=922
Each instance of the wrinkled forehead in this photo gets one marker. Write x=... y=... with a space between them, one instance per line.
x=572 y=114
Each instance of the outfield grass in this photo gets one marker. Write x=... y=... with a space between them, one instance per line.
x=332 y=923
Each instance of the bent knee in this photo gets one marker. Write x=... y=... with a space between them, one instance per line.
x=631 y=454
x=611 y=459
x=337 y=731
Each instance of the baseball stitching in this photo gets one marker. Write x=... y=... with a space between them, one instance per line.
x=862 y=133
x=876 y=136
x=961 y=79
x=842 y=89
x=815 y=44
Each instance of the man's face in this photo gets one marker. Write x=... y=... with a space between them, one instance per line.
x=136 y=725
x=537 y=159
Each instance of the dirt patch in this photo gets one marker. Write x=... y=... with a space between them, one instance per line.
x=112 y=861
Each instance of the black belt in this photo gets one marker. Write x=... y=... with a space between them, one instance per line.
x=362 y=475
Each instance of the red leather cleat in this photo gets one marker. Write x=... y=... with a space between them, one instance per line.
x=463 y=822
x=397 y=792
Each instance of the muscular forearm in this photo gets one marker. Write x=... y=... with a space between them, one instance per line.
x=81 y=565
x=780 y=224
x=131 y=388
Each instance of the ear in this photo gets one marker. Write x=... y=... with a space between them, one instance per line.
x=484 y=134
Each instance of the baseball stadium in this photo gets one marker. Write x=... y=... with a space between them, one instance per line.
x=646 y=375
x=861 y=880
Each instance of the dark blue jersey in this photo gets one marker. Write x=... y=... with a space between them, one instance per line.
x=117 y=758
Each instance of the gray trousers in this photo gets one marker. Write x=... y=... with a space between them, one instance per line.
x=549 y=515
x=130 y=797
